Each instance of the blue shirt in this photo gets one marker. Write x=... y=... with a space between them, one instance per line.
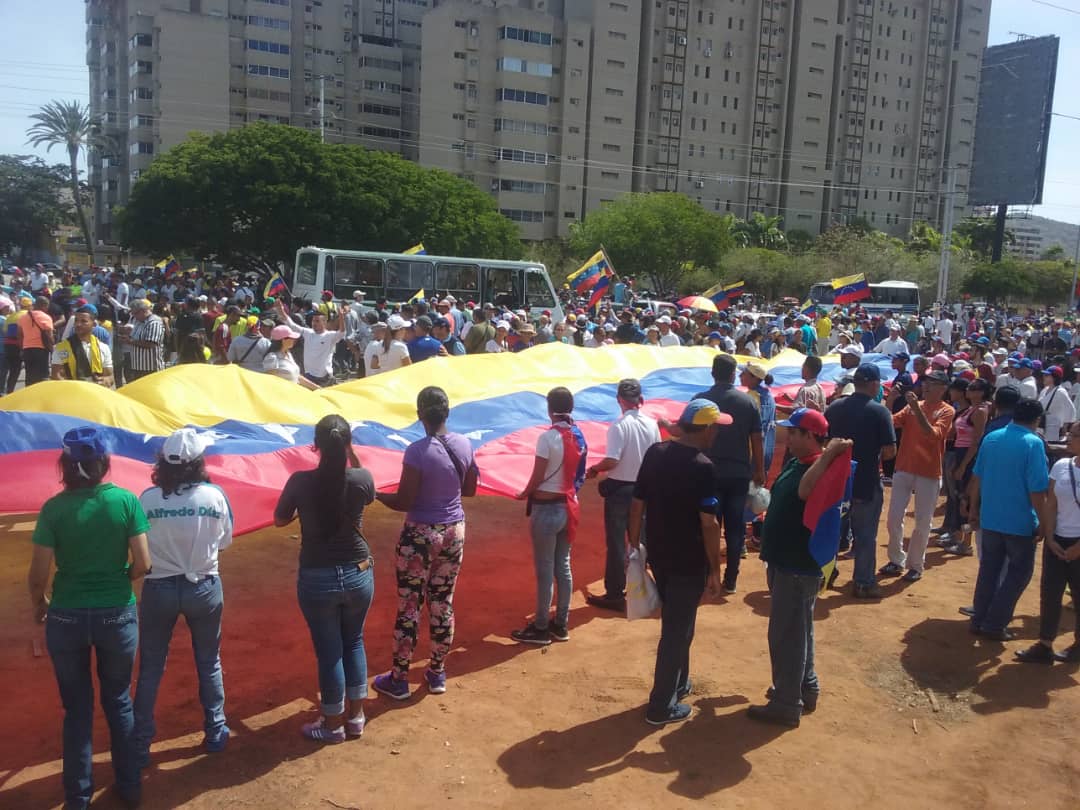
x=1011 y=465
x=422 y=348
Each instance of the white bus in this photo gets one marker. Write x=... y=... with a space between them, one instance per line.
x=397 y=277
x=897 y=296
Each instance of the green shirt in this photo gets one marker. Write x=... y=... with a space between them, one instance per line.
x=88 y=531
x=785 y=541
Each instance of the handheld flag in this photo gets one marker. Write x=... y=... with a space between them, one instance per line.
x=420 y=295
x=416 y=250
x=170 y=266
x=822 y=512
x=809 y=309
x=275 y=286
x=589 y=274
x=599 y=290
x=734 y=290
x=848 y=289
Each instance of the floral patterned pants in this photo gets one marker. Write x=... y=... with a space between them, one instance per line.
x=428 y=562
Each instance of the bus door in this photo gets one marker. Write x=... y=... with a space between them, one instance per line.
x=504 y=286
x=406 y=277
x=305 y=281
x=460 y=280
x=352 y=274
x=538 y=293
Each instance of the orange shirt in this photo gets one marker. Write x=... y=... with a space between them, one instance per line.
x=921 y=453
x=32 y=323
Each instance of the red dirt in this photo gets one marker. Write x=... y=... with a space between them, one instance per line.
x=524 y=727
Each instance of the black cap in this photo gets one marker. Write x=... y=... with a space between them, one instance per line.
x=440 y=321
x=629 y=389
x=424 y=321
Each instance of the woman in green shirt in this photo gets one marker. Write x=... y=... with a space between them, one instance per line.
x=96 y=534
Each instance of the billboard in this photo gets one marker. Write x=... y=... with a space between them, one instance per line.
x=1012 y=125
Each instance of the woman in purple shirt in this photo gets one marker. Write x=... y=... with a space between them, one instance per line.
x=438 y=470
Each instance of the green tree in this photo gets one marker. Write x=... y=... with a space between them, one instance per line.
x=654 y=236
x=69 y=124
x=798 y=240
x=1054 y=253
x=250 y=197
x=1008 y=279
x=555 y=254
x=758 y=231
x=771 y=273
x=923 y=238
x=32 y=203
x=978 y=233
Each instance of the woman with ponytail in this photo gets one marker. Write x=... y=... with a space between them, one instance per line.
x=335 y=583
x=438 y=470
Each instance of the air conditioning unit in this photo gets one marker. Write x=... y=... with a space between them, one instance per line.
x=708 y=51
x=682 y=41
x=699 y=184
x=729 y=52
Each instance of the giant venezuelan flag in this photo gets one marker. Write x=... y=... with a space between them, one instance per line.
x=263 y=426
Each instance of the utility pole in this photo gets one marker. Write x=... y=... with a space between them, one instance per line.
x=1076 y=267
x=946 y=234
x=322 y=107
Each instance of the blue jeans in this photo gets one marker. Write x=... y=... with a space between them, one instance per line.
x=551 y=556
x=863 y=518
x=731 y=494
x=791 y=637
x=335 y=603
x=616 y=522
x=680 y=596
x=200 y=603
x=113 y=635
x=996 y=595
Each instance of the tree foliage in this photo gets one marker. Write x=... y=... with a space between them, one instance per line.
x=997 y=283
x=32 y=203
x=655 y=236
x=758 y=231
x=69 y=124
x=250 y=197
x=979 y=235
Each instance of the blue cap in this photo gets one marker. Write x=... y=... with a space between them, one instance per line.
x=1025 y=362
x=867 y=372
x=900 y=356
x=703 y=412
x=84 y=444
x=440 y=321
x=715 y=336
x=983 y=341
x=808 y=420
x=88 y=308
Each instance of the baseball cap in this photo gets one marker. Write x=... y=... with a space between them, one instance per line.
x=358 y=294
x=936 y=377
x=629 y=389
x=757 y=370
x=867 y=372
x=703 y=412
x=1056 y=371
x=1025 y=362
x=424 y=321
x=184 y=445
x=440 y=322
x=900 y=356
x=715 y=336
x=664 y=319
x=502 y=325
x=395 y=322
x=327 y=294
x=851 y=348
x=1000 y=352
x=807 y=419
x=140 y=303
x=941 y=359
x=283 y=331
x=84 y=444
x=88 y=308
x=845 y=385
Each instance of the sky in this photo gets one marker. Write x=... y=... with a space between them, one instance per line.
x=44 y=58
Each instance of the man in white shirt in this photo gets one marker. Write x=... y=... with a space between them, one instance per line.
x=893 y=344
x=319 y=344
x=667 y=337
x=39 y=280
x=628 y=438
x=945 y=330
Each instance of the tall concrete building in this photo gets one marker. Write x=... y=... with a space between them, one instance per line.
x=819 y=111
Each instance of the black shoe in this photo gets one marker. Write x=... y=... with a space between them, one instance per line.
x=995 y=635
x=130 y=798
x=809 y=699
x=939 y=530
x=912 y=576
x=676 y=715
x=967 y=610
x=1070 y=655
x=1037 y=653
x=767 y=714
x=730 y=589
x=866 y=591
x=605 y=602
x=531 y=634
x=890 y=570
x=558 y=632
x=684 y=693
x=835 y=575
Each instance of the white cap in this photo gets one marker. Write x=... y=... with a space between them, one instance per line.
x=358 y=294
x=184 y=445
x=502 y=325
x=664 y=319
x=851 y=348
x=395 y=322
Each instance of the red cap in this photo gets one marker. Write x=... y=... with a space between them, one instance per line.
x=327 y=294
x=807 y=419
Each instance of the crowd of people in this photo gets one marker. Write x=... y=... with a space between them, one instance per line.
x=970 y=407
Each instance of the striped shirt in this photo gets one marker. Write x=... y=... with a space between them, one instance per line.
x=143 y=358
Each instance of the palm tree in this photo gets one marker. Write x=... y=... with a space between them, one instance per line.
x=759 y=231
x=70 y=125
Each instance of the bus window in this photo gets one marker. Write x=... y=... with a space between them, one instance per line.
x=538 y=294
x=405 y=278
x=357 y=274
x=822 y=294
x=460 y=280
x=307 y=269
x=503 y=287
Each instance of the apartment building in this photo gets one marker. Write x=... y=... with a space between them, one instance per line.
x=819 y=111
x=1036 y=235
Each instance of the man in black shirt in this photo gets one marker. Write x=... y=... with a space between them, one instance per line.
x=869 y=425
x=794 y=576
x=675 y=488
x=737 y=457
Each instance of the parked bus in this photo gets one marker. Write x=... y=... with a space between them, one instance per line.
x=897 y=296
x=397 y=277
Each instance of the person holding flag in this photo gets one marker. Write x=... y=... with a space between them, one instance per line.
x=800 y=535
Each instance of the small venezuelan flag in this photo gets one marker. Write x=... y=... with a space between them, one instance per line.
x=416 y=250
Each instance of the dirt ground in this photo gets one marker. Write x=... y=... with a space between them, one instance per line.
x=914 y=711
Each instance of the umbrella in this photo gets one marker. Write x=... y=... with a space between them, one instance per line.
x=698 y=302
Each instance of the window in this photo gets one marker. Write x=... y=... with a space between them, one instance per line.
x=266 y=47
x=267 y=70
x=356 y=274
x=612 y=147
x=141 y=66
x=405 y=277
x=612 y=91
x=381 y=64
x=538 y=292
x=515 y=65
x=307 y=269
x=525 y=156
x=381 y=109
x=142 y=94
x=616 y=35
x=610 y=119
x=521 y=96
x=523 y=186
x=137 y=121
x=380 y=87
x=141 y=148
x=524 y=35
x=462 y=279
x=141 y=41
x=522 y=215
x=529 y=127
x=268 y=22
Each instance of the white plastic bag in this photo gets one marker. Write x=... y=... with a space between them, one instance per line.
x=642 y=597
x=757 y=499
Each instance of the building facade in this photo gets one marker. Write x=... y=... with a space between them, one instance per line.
x=1036 y=235
x=818 y=111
